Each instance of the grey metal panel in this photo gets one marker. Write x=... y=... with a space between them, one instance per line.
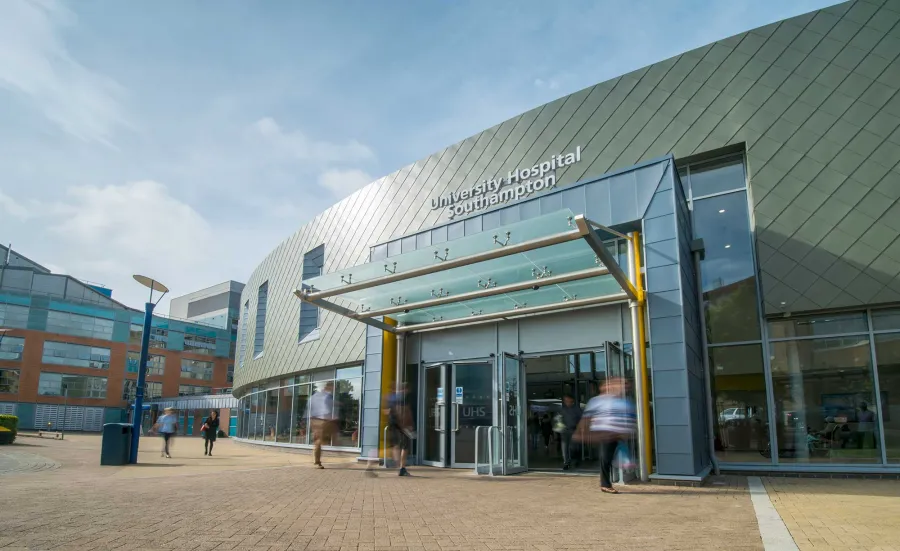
x=459 y=344
x=571 y=330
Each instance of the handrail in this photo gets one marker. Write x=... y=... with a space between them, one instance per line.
x=491 y=447
x=478 y=428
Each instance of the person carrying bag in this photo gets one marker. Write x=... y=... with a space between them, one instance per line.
x=609 y=421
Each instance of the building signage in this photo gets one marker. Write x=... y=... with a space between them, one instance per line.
x=459 y=395
x=517 y=184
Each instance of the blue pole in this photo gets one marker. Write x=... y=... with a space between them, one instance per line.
x=138 y=416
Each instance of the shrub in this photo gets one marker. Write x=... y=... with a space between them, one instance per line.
x=6 y=436
x=11 y=422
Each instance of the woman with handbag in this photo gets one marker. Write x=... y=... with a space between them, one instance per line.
x=610 y=419
x=210 y=430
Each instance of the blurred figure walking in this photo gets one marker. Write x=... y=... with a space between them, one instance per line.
x=321 y=414
x=210 y=430
x=401 y=427
x=166 y=426
x=569 y=416
x=610 y=419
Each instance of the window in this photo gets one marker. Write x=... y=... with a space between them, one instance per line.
x=78 y=325
x=134 y=335
x=156 y=364
x=11 y=348
x=230 y=373
x=740 y=408
x=75 y=355
x=728 y=270
x=887 y=350
x=191 y=390
x=246 y=320
x=199 y=344
x=159 y=338
x=73 y=386
x=825 y=401
x=818 y=325
x=152 y=390
x=313 y=263
x=196 y=369
x=13 y=316
x=9 y=381
x=300 y=415
x=713 y=177
x=262 y=296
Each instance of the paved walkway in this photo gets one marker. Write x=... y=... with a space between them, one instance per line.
x=247 y=498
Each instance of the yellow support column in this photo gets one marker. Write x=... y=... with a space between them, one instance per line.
x=388 y=378
x=639 y=349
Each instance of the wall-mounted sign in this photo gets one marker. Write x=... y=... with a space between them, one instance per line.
x=459 y=395
x=517 y=184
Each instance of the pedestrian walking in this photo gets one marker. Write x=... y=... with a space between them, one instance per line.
x=167 y=426
x=609 y=421
x=400 y=429
x=321 y=414
x=569 y=416
x=210 y=430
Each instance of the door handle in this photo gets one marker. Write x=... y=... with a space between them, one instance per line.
x=439 y=418
x=456 y=416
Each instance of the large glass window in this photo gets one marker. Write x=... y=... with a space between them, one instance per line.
x=347 y=396
x=301 y=415
x=196 y=369
x=271 y=414
x=13 y=316
x=152 y=390
x=818 y=325
x=887 y=350
x=728 y=271
x=78 y=325
x=75 y=386
x=283 y=423
x=11 y=348
x=246 y=320
x=199 y=344
x=313 y=263
x=825 y=400
x=9 y=381
x=739 y=397
x=156 y=364
x=75 y=355
x=262 y=298
x=712 y=177
x=192 y=390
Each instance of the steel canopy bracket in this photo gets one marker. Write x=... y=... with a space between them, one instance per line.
x=346 y=312
x=599 y=248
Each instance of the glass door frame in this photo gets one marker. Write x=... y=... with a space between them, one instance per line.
x=518 y=433
x=441 y=425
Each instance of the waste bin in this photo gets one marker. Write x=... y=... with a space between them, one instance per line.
x=116 y=446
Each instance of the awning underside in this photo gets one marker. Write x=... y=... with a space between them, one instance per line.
x=553 y=262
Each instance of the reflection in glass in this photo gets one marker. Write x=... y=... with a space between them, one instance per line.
x=729 y=276
x=9 y=381
x=347 y=395
x=825 y=401
x=256 y=416
x=271 y=398
x=887 y=350
x=716 y=176
x=818 y=325
x=740 y=414
x=300 y=425
x=434 y=415
x=283 y=422
x=886 y=320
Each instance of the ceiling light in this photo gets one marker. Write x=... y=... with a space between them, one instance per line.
x=727 y=246
x=721 y=211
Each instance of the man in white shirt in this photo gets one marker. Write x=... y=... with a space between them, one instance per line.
x=321 y=414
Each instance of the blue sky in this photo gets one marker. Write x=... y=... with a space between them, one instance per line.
x=186 y=139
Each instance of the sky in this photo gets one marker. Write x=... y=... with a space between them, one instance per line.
x=186 y=140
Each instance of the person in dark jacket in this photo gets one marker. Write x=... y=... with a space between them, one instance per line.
x=210 y=430
x=571 y=415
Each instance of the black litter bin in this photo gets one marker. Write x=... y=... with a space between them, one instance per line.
x=116 y=446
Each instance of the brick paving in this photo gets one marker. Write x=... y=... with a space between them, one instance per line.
x=19 y=462
x=245 y=498
x=839 y=513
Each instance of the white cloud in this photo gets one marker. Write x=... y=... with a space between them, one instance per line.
x=343 y=182
x=296 y=145
x=13 y=207
x=35 y=64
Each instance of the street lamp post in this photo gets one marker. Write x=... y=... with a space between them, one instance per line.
x=138 y=417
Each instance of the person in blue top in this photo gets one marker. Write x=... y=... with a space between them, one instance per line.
x=166 y=426
x=611 y=420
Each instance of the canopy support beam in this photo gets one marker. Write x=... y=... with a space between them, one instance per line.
x=599 y=248
x=346 y=312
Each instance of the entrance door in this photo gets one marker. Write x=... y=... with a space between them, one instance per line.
x=458 y=399
x=619 y=364
x=512 y=419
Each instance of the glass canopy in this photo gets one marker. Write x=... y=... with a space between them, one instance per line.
x=556 y=261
